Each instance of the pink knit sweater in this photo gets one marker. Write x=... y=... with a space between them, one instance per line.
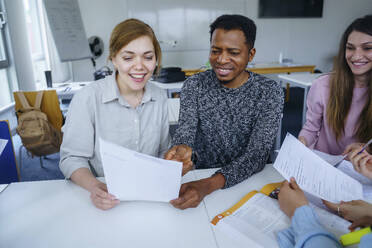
x=316 y=131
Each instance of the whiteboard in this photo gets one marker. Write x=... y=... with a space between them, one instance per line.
x=67 y=29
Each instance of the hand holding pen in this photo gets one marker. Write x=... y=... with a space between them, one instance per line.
x=361 y=159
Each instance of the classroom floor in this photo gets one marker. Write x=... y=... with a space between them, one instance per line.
x=30 y=169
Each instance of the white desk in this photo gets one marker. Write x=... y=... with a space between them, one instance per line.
x=67 y=90
x=303 y=80
x=169 y=87
x=221 y=200
x=60 y=214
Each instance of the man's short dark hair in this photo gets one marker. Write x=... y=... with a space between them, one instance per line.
x=236 y=22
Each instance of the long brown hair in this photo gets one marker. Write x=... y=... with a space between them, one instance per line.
x=129 y=30
x=342 y=85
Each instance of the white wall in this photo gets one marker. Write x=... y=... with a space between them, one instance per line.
x=308 y=41
x=99 y=18
x=305 y=40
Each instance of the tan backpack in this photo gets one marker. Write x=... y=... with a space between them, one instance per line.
x=37 y=134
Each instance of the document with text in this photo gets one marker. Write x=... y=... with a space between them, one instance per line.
x=256 y=219
x=333 y=160
x=132 y=176
x=347 y=168
x=313 y=174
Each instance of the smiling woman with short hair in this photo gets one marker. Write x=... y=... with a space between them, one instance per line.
x=121 y=108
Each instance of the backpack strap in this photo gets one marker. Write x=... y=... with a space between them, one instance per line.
x=23 y=100
x=39 y=98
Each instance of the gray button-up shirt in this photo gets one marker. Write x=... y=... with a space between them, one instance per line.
x=98 y=110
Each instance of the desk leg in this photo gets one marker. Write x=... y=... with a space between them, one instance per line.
x=306 y=90
x=278 y=135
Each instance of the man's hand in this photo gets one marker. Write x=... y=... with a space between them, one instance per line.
x=192 y=193
x=101 y=198
x=181 y=153
x=291 y=197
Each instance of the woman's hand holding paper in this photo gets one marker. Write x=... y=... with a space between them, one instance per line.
x=291 y=197
x=101 y=198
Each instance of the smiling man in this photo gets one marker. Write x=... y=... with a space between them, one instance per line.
x=229 y=117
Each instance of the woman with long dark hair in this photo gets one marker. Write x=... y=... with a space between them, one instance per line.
x=339 y=103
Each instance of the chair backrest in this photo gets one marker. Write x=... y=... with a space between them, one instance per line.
x=49 y=105
x=8 y=167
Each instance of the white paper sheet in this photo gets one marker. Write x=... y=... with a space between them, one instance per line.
x=347 y=168
x=333 y=160
x=315 y=175
x=332 y=222
x=3 y=143
x=256 y=223
x=135 y=176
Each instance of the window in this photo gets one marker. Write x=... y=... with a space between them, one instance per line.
x=35 y=39
x=5 y=96
x=43 y=51
x=3 y=55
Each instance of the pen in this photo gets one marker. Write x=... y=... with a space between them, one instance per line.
x=365 y=146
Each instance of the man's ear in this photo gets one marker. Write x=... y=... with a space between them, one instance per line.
x=251 y=54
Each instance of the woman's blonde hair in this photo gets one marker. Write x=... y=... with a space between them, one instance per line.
x=129 y=30
x=342 y=86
